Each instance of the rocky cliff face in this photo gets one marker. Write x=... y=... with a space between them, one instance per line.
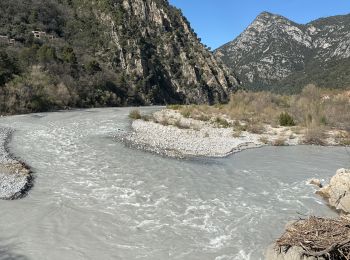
x=56 y=54
x=274 y=52
x=161 y=56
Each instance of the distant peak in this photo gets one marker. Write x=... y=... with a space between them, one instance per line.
x=270 y=16
x=267 y=14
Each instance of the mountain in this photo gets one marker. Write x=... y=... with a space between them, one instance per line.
x=81 y=53
x=275 y=53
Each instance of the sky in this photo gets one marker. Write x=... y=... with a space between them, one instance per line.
x=219 y=21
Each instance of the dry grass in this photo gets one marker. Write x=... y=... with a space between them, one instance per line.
x=343 y=138
x=222 y=122
x=181 y=125
x=255 y=128
x=281 y=141
x=319 y=237
x=135 y=114
x=264 y=140
x=308 y=110
x=315 y=136
x=305 y=108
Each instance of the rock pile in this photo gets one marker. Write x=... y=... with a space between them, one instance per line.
x=15 y=176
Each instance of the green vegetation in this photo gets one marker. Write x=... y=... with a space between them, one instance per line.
x=286 y=120
x=222 y=122
x=99 y=52
x=48 y=73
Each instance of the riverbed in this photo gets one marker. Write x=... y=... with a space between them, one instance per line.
x=94 y=198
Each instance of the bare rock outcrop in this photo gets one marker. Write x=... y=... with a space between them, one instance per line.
x=337 y=192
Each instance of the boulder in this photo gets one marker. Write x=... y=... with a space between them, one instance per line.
x=315 y=182
x=337 y=192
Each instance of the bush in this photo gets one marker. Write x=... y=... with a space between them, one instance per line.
x=186 y=112
x=221 y=122
x=179 y=124
x=255 y=128
x=135 y=114
x=279 y=142
x=202 y=117
x=315 y=136
x=264 y=140
x=286 y=120
x=174 y=107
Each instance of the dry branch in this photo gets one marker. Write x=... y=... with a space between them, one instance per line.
x=319 y=237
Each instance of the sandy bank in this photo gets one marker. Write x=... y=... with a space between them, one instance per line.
x=15 y=176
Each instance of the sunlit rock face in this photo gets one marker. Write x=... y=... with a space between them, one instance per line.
x=158 y=50
x=275 y=51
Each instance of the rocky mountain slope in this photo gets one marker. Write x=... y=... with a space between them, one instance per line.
x=82 y=53
x=276 y=53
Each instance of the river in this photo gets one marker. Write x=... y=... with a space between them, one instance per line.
x=94 y=198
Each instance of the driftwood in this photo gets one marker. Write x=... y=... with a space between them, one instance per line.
x=319 y=237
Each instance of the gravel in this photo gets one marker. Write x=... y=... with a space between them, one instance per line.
x=201 y=140
x=15 y=176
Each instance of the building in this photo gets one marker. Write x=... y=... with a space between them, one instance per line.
x=43 y=35
x=4 y=39
x=39 y=34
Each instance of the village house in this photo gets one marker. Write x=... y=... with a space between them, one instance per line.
x=39 y=34
x=5 y=40
x=43 y=35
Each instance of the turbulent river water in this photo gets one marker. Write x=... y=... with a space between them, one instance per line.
x=93 y=198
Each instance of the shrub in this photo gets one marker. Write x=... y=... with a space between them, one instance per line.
x=203 y=117
x=135 y=114
x=173 y=107
x=179 y=124
x=255 y=128
x=343 y=138
x=315 y=136
x=146 y=117
x=286 y=120
x=222 y=122
x=93 y=67
x=264 y=140
x=279 y=142
x=186 y=112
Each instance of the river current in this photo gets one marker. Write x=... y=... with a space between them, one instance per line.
x=93 y=198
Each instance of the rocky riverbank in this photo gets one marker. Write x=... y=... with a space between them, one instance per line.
x=168 y=132
x=15 y=176
x=319 y=238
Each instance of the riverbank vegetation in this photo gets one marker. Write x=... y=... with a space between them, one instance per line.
x=314 y=112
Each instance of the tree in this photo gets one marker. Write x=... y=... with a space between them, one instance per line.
x=92 y=67
x=8 y=67
x=69 y=55
x=46 y=54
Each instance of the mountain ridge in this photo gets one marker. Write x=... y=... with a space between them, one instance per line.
x=272 y=52
x=79 y=53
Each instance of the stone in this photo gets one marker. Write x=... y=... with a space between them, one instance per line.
x=337 y=193
x=316 y=182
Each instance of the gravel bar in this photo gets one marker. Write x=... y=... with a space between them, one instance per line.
x=15 y=176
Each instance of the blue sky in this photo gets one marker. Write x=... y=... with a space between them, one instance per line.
x=220 y=21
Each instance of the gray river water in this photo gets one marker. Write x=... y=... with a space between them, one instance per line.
x=96 y=199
